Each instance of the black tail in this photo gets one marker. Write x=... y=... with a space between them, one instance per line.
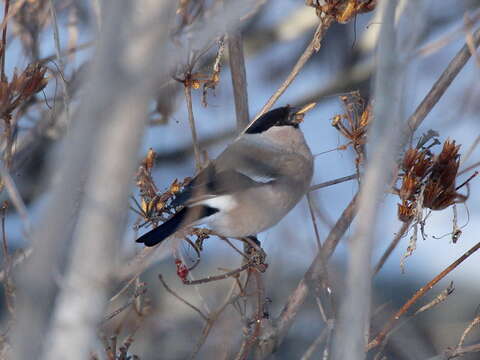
x=182 y=218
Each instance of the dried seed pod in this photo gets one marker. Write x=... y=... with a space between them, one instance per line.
x=409 y=159
x=409 y=187
x=423 y=165
x=405 y=211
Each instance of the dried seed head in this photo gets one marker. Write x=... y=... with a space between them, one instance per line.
x=405 y=211
x=423 y=165
x=409 y=159
x=449 y=152
x=436 y=174
x=150 y=159
x=409 y=187
x=343 y=10
x=175 y=187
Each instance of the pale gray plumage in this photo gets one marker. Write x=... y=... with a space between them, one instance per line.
x=251 y=185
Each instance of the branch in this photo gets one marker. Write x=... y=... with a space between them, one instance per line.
x=384 y=142
x=61 y=63
x=313 y=47
x=314 y=275
x=442 y=84
x=333 y=182
x=421 y=292
x=391 y=247
x=191 y=120
x=239 y=78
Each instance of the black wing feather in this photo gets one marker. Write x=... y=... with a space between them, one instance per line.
x=184 y=217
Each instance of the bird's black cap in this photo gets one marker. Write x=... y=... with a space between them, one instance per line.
x=283 y=116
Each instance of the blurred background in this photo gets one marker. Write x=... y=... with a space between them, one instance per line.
x=274 y=36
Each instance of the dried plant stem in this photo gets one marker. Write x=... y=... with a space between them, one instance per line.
x=320 y=339
x=61 y=63
x=442 y=84
x=333 y=182
x=122 y=308
x=340 y=228
x=421 y=292
x=239 y=78
x=191 y=121
x=313 y=47
x=313 y=276
x=3 y=45
x=17 y=260
x=218 y=277
x=473 y=323
x=8 y=285
x=449 y=353
x=391 y=247
x=314 y=221
x=470 y=150
x=248 y=342
x=471 y=167
x=229 y=299
x=199 y=312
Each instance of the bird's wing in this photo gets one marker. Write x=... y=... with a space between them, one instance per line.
x=211 y=183
x=241 y=166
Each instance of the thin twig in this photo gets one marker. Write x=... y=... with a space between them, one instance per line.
x=469 y=38
x=314 y=220
x=239 y=78
x=229 y=299
x=449 y=354
x=421 y=292
x=248 y=342
x=313 y=47
x=218 y=277
x=311 y=349
x=61 y=63
x=7 y=266
x=3 y=46
x=441 y=297
x=313 y=276
x=471 y=167
x=16 y=198
x=202 y=315
x=191 y=121
x=396 y=239
x=470 y=150
x=473 y=323
x=442 y=84
x=17 y=260
x=133 y=299
x=333 y=182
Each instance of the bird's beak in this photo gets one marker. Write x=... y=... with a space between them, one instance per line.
x=299 y=112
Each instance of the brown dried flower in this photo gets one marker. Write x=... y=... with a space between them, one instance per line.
x=353 y=124
x=435 y=175
x=342 y=10
x=21 y=88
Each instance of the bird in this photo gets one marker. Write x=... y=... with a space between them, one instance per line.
x=251 y=185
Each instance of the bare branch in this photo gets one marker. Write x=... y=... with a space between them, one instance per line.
x=421 y=292
x=61 y=63
x=193 y=130
x=442 y=84
x=199 y=312
x=333 y=182
x=314 y=276
x=396 y=239
x=313 y=47
x=239 y=78
x=384 y=142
